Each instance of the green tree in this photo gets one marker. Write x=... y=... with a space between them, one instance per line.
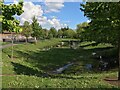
x=43 y=33
x=70 y=33
x=46 y=33
x=60 y=33
x=64 y=30
x=36 y=29
x=53 y=31
x=80 y=29
x=105 y=23
x=50 y=35
x=9 y=22
x=1 y=17
x=27 y=30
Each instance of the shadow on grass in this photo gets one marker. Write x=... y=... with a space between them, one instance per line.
x=100 y=48
x=46 y=61
x=50 y=60
x=24 y=70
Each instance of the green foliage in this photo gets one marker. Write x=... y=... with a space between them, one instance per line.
x=63 y=30
x=80 y=29
x=66 y=32
x=50 y=35
x=60 y=33
x=105 y=21
x=70 y=33
x=53 y=32
x=36 y=28
x=43 y=34
x=27 y=29
x=9 y=23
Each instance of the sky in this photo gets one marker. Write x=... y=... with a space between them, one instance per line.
x=51 y=14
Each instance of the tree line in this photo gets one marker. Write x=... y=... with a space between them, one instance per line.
x=36 y=30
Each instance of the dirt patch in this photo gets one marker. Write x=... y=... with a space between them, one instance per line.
x=113 y=81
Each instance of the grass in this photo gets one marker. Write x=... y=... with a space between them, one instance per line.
x=4 y=43
x=93 y=81
x=31 y=63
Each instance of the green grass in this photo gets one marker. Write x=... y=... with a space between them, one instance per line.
x=4 y=43
x=83 y=81
x=28 y=69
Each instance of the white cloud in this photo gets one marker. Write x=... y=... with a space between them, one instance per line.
x=15 y=1
x=47 y=23
x=53 y=6
x=88 y=21
x=30 y=10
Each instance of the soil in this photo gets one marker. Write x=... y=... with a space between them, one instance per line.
x=113 y=81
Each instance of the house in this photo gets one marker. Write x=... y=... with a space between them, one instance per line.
x=7 y=36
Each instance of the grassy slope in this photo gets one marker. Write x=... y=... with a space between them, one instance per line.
x=31 y=64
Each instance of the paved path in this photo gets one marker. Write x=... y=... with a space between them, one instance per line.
x=7 y=45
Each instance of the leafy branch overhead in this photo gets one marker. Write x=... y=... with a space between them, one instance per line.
x=105 y=21
x=9 y=22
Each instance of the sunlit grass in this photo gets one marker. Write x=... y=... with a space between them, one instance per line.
x=32 y=62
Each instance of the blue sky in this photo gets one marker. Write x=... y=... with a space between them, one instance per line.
x=70 y=14
x=54 y=14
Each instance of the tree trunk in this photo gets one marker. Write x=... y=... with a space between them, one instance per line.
x=119 y=59
x=35 y=40
x=26 y=39
x=12 y=46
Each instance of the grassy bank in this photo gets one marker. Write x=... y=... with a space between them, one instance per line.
x=31 y=63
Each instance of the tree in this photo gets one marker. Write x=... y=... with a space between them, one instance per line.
x=45 y=33
x=50 y=35
x=70 y=33
x=60 y=33
x=27 y=30
x=80 y=29
x=9 y=23
x=105 y=23
x=0 y=17
x=53 y=31
x=63 y=30
x=36 y=29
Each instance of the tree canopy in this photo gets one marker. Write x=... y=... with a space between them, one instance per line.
x=9 y=22
x=53 y=31
x=80 y=29
x=27 y=30
x=36 y=28
x=105 y=23
x=70 y=33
